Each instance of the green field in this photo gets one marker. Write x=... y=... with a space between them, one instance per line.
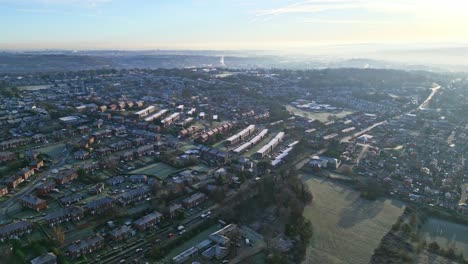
x=347 y=228
x=254 y=149
x=159 y=170
x=55 y=151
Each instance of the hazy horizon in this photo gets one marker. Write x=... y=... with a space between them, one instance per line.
x=230 y=25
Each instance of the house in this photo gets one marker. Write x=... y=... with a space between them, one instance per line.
x=33 y=202
x=36 y=165
x=81 y=155
x=115 y=180
x=39 y=138
x=45 y=188
x=90 y=167
x=223 y=236
x=3 y=190
x=72 y=213
x=83 y=129
x=138 y=178
x=120 y=130
x=14 y=143
x=47 y=258
x=213 y=155
x=102 y=134
x=144 y=150
x=120 y=233
x=174 y=209
x=97 y=189
x=71 y=198
x=99 y=206
x=134 y=195
x=25 y=173
x=127 y=156
x=102 y=151
x=147 y=221
x=194 y=200
x=123 y=144
x=31 y=154
x=66 y=176
x=7 y=156
x=85 y=246
x=13 y=181
x=15 y=229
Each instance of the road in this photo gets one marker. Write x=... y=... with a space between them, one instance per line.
x=128 y=251
x=8 y=204
x=428 y=99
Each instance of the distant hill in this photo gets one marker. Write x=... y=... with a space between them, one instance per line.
x=47 y=61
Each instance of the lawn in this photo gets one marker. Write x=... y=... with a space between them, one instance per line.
x=259 y=145
x=159 y=170
x=55 y=151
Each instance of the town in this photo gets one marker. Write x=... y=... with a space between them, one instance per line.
x=135 y=166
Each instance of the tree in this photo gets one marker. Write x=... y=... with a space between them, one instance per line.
x=58 y=235
x=434 y=247
x=81 y=173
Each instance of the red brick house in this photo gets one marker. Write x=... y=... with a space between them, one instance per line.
x=34 y=203
x=147 y=221
x=3 y=190
x=45 y=188
x=66 y=176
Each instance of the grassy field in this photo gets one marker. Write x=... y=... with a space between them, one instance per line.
x=447 y=234
x=159 y=170
x=53 y=150
x=347 y=228
x=254 y=149
x=320 y=116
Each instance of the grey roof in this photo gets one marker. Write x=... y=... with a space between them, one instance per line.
x=194 y=197
x=45 y=258
x=15 y=226
x=117 y=179
x=71 y=198
x=134 y=193
x=84 y=243
x=100 y=202
x=32 y=199
x=73 y=210
x=120 y=231
x=148 y=218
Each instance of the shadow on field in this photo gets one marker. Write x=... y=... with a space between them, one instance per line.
x=360 y=210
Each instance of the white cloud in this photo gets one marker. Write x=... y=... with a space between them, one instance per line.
x=317 y=6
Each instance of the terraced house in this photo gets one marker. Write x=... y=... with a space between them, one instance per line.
x=85 y=246
x=15 y=229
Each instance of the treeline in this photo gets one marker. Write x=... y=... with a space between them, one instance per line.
x=403 y=243
x=287 y=195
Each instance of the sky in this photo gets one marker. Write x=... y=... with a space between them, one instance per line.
x=229 y=24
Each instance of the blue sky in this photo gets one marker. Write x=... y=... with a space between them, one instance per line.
x=227 y=24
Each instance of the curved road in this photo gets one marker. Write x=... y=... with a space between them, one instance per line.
x=8 y=204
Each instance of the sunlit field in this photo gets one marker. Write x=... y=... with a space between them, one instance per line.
x=347 y=228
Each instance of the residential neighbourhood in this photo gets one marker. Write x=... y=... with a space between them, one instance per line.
x=115 y=165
